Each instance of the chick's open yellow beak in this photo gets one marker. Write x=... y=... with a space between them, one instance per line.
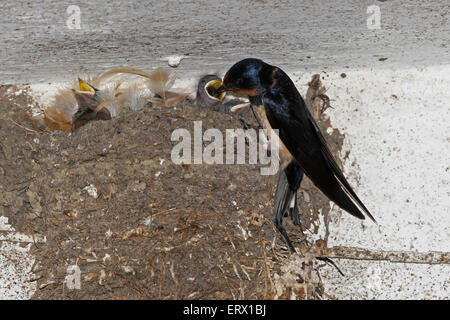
x=86 y=87
x=214 y=90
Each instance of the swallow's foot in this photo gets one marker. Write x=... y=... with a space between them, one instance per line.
x=330 y=262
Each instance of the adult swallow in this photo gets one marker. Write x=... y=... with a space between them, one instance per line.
x=277 y=104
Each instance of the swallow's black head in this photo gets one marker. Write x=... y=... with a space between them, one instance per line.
x=245 y=77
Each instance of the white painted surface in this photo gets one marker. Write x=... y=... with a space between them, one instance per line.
x=384 y=280
x=401 y=147
x=15 y=263
x=396 y=124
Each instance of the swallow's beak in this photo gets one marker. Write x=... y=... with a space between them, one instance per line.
x=215 y=90
x=221 y=89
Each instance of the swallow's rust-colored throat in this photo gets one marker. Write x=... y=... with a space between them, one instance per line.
x=247 y=92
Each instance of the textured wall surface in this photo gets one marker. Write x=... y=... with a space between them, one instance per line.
x=40 y=41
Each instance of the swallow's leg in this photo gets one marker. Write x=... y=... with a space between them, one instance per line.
x=286 y=194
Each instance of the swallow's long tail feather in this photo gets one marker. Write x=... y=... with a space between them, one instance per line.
x=283 y=196
x=294 y=174
x=288 y=183
x=347 y=198
x=330 y=183
x=293 y=211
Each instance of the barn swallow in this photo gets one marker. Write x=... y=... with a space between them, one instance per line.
x=302 y=148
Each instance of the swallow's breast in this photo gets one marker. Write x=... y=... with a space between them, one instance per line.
x=283 y=153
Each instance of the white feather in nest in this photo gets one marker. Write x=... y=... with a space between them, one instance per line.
x=115 y=91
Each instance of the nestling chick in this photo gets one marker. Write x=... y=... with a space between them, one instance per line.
x=209 y=96
x=91 y=105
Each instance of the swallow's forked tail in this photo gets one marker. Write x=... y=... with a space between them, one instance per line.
x=340 y=191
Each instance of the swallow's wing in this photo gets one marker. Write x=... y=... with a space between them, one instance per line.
x=301 y=135
x=335 y=168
